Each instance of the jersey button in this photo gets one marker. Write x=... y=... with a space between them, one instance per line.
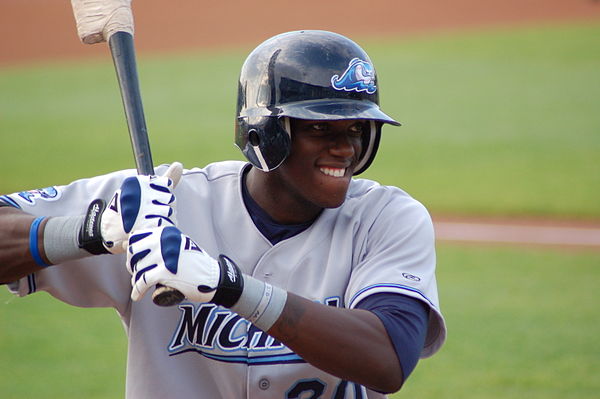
x=264 y=384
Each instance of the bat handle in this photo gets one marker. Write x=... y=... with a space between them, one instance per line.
x=166 y=296
x=123 y=54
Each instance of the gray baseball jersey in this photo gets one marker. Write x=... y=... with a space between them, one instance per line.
x=379 y=240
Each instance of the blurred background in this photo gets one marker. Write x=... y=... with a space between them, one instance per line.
x=499 y=104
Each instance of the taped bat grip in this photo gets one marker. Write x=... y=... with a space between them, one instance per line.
x=123 y=54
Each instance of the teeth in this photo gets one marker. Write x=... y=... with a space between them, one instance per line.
x=335 y=172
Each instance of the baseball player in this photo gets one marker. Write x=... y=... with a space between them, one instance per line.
x=300 y=280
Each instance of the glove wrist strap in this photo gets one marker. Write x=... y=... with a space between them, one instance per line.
x=231 y=283
x=90 y=238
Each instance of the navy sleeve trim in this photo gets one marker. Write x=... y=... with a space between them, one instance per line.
x=5 y=200
x=31 y=284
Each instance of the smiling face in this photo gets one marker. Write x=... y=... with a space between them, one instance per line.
x=315 y=175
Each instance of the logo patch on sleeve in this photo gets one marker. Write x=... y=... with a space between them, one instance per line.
x=411 y=277
x=46 y=194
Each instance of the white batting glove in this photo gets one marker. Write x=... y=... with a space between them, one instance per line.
x=140 y=202
x=164 y=255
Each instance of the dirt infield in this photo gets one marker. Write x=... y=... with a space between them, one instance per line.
x=41 y=30
x=530 y=232
x=33 y=30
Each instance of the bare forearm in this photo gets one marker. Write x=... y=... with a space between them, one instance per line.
x=349 y=343
x=16 y=260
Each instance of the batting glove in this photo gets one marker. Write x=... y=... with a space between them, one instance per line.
x=140 y=202
x=164 y=255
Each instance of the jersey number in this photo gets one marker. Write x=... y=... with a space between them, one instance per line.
x=315 y=389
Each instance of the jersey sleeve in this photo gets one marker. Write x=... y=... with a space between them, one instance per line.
x=94 y=281
x=98 y=281
x=405 y=320
x=398 y=256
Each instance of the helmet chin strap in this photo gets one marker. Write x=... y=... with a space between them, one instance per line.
x=263 y=164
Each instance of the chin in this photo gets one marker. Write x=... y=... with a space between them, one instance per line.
x=333 y=201
x=333 y=206
x=336 y=196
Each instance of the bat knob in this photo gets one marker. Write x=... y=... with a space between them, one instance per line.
x=166 y=296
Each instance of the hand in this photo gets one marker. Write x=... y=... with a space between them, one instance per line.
x=165 y=255
x=140 y=202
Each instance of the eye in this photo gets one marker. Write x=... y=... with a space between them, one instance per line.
x=318 y=129
x=356 y=130
x=319 y=126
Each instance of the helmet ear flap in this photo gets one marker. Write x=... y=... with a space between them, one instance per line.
x=264 y=141
x=370 y=144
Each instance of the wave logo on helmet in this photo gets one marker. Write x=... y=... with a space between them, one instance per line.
x=359 y=76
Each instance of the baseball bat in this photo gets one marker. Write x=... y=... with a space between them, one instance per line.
x=112 y=20
x=123 y=54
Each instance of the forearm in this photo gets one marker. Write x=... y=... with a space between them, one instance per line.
x=16 y=260
x=28 y=244
x=349 y=343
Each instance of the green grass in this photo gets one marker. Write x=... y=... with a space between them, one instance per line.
x=63 y=122
x=501 y=122
x=52 y=350
x=523 y=323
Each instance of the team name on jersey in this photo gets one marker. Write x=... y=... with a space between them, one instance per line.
x=218 y=333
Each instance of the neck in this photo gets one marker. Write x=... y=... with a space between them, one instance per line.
x=282 y=205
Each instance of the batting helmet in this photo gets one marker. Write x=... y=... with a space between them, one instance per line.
x=310 y=74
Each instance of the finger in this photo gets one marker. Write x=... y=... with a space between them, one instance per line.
x=141 y=274
x=140 y=287
x=174 y=172
x=139 y=235
x=135 y=294
x=134 y=246
x=135 y=258
x=162 y=194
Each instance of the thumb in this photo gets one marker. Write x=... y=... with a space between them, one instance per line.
x=135 y=295
x=174 y=172
x=139 y=290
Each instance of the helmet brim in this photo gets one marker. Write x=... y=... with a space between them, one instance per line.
x=335 y=109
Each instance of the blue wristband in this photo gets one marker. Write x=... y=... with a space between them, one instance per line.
x=33 y=242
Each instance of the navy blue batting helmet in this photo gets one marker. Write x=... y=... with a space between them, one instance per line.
x=312 y=75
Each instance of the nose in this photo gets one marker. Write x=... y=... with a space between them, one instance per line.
x=343 y=146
